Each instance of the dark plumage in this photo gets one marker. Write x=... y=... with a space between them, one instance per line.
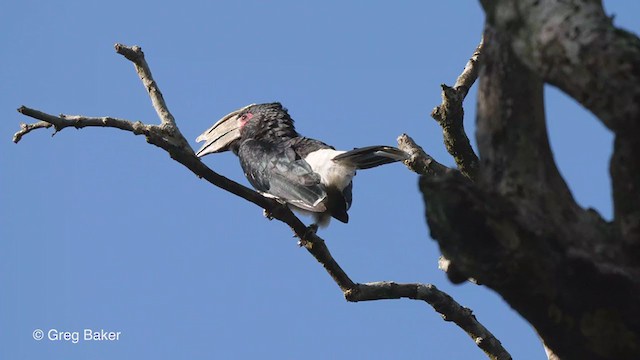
x=305 y=173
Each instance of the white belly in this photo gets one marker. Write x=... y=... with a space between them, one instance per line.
x=331 y=173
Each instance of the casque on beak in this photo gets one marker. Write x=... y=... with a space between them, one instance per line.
x=218 y=137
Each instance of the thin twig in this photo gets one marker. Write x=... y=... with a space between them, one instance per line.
x=78 y=121
x=419 y=161
x=136 y=56
x=27 y=128
x=470 y=72
x=450 y=115
x=167 y=121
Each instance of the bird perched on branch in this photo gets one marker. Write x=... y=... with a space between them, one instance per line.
x=304 y=173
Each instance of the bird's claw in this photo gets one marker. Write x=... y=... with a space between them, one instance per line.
x=267 y=214
x=311 y=230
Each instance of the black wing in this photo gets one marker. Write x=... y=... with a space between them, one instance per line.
x=280 y=172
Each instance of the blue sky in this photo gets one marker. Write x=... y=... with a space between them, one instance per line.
x=99 y=230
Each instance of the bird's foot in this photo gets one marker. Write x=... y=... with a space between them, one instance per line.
x=311 y=230
x=267 y=214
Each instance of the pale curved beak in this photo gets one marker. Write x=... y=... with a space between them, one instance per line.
x=224 y=132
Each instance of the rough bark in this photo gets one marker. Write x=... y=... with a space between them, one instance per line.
x=574 y=46
x=517 y=229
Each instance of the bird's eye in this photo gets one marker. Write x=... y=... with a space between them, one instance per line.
x=246 y=117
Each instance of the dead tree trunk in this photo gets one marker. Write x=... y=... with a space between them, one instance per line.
x=515 y=226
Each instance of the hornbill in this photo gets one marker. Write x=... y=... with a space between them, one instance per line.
x=304 y=173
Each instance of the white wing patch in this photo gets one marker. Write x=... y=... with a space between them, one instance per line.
x=317 y=206
x=331 y=173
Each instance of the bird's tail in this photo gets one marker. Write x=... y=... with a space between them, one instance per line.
x=371 y=156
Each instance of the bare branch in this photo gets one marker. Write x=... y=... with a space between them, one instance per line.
x=27 y=128
x=154 y=133
x=168 y=137
x=136 y=56
x=470 y=72
x=78 y=121
x=450 y=116
x=441 y=303
x=167 y=121
x=419 y=161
